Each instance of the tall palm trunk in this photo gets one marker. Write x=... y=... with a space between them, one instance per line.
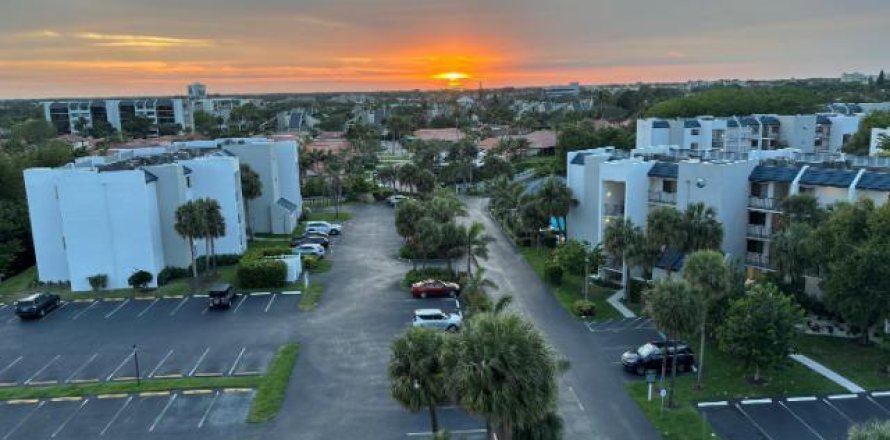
x=206 y=254
x=192 y=254
x=434 y=418
x=625 y=272
x=213 y=253
x=247 y=220
x=701 y=350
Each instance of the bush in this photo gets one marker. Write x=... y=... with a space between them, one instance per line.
x=140 y=279
x=98 y=281
x=310 y=262
x=258 y=274
x=585 y=308
x=275 y=252
x=171 y=273
x=635 y=291
x=553 y=272
x=426 y=273
x=221 y=260
x=477 y=301
x=381 y=193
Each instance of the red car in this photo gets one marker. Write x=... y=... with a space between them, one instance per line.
x=423 y=289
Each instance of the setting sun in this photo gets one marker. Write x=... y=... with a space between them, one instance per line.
x=452 y=76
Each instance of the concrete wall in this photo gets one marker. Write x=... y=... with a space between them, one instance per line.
x=798 y=131
x=582 y=221
x=828 y=195
x=219 y=178
x=628 y=181
x=46 y=224
x=262 y=161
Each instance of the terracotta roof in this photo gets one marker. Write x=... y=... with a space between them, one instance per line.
x=328 y=145
x=538 y=140
x=439 y=134
x=325 y=135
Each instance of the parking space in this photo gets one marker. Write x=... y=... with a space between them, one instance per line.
x=621 y=325
x=806 y=418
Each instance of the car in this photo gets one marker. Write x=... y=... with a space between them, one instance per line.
x=315 y=234
x=311 y=239
x=221 y=296
x=438 y=320
x=650 y=356
x=309 y=249
x=425 y=288
x=37 y=305
x=395 y=199
x=324 y=227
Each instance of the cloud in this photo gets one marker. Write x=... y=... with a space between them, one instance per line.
x=141 y=41
x=42 y=33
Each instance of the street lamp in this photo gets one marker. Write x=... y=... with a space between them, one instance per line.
x=586 y=273
x=136 y=360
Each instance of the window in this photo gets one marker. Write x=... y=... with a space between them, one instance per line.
x=188 y=181
x=695 y=132
x=669 y=186
x=758 y=190
x=753 y=143
x=694 y=145
x=755 y=246
x=756 y=218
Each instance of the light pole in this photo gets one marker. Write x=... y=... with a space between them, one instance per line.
x=136 y=360
x=586 y=273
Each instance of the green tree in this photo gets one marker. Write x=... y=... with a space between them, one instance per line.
x=190 y=225
x=251 y=188
x=207 y=124
x=215 y=227
x=791 y=250
x=140 y=279
x=760 y=328
x=494 y=167
x=503 y=370
x=416 y=372
x=674 y=308
x=31 y=132
x=138 y=127
x=550 y=428
x=665 y=227
x=707 y=273
x=408 y=214
x=618 y=239
x=881 y=80
x=425 y=182
x=856 y=287
x=571 y=255
x=803 y=208
x=407 y=176
x=702 y=229
x=475 y=242
x=555 y=198
x=473 y=288
x=730 y=101
x=14 y=233
x=874 y=430
x=860 y=142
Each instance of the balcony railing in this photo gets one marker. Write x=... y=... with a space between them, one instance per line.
x=666 y=198
x=758 y=260
x=613 y=264
x=759 y=231
x=766 y=203
x=613 y=210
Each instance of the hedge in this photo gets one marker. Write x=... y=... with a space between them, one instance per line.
x=261 y=273
x=276 y=251
x=427 y=273
x=171 y=273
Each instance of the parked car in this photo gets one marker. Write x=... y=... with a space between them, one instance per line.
x=425 y=288
x=311 y=239
x=395 y=199
x=324 y=227
x=439 y=320
x=316 y=234
x=309 y=249
x=37 y=305
x=221 y=296
x=650 y=356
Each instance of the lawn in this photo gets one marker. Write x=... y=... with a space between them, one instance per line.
x=572 y=287
x=270 y=395
x=21 y=284
x=861 y=364
x=542 y=164
x=310 y=297
x=723 y=379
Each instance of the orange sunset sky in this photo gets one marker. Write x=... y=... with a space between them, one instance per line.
x=129 y=47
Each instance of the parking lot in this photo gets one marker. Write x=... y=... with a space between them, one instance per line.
x=195 y=413
x=808 y=417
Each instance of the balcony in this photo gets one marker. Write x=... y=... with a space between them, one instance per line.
x=613 y=264
x=762 y=232
x=664 y=198
x=765 y=203
x=758 y=260
x=613 y=210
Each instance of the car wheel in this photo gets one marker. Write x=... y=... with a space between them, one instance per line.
x=58 y=302
x=640 y=370
x=423 y=295
x=42 y=313
x=452 y=328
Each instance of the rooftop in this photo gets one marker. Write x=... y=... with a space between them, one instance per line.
x=439 y=134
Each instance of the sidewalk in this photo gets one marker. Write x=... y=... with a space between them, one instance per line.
x=615 y=301
x=828 y=373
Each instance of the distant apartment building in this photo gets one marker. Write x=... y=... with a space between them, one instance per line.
x=572 y=90
x=167 y=114
x=218 y=106
x=113 y=216
x=745 y=190
x=816 y=133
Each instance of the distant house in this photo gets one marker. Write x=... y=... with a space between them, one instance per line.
x=440 y=134
x=541 y=142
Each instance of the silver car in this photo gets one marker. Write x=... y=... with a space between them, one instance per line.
x=437 y=319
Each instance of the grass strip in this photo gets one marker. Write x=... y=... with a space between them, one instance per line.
x=866 y=366
x=323 y=266
x=127 y=387
x=270 y=394
x=310 y=297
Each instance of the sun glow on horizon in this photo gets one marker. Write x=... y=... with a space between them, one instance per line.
x=453 y=78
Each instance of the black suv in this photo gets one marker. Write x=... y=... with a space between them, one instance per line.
x=36 y=305
x=221 y=296
x=310 y=239
x=650 y=356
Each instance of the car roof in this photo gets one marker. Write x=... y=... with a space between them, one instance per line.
x=427 y=311
x=32 y=296
x=220 y=287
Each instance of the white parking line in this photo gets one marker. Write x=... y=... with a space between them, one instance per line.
x=207 y=411
x=260 y=293
x=880 y=393
x=457 y=432
x=710 y=404
x=78 y=315
x=37 y=373
x=575 y=397
x=112 y=312
x=121 y=365
x=68 y=419
x=828 y=402
x=11 y=364
x=802 y=399
x=842 y=396
x=271 y=300
x=150 y=305
x=179 y=306
x=243 y=298
x=756 y=401
x=23 y=420
x=155 y=370
x=163 y=411
x=81 y=367
x=237 y=359
x=116 y=415
x=877 y=404
x=753 y=422
x=200 y=359
x=291 y=292
x=804 y=423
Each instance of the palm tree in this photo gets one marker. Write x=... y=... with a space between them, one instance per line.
x=189 y=225
x=618 y=238
x=416 y=372
x=673 y=307
x=407 y=176
x=503 y=370
x=473 y=288
x=506 y=199
x=665 y=227
x=702 y=229
x=555 y=198
x=707 y=273
x=251 y=188
x=475 y=245
x=790 y=251
x=215 y=224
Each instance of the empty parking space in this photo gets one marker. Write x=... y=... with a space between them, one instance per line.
x=98 y=366
x=217 y=361
x=45 y=419
x=177 y=362
x=253 y=361
x=93 y=417
x=139 y=416
x=777 y=421
x=185 y=411
x=858 y=408
x=14 y=414
x=229 y=409
x=621 y=325
x=254 y=303
x=812 y=411
x=729 y=423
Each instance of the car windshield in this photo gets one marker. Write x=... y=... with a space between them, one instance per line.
x=26 y=303
x=647 y=350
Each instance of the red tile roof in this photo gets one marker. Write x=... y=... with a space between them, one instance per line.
x=439 y=134
x=538 y=140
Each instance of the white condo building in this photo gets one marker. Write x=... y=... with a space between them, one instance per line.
x=745 y=190
x=816 y=133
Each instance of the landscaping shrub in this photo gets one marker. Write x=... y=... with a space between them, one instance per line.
x=426 y=273
x=221 y=260
x=381 y=193
x=554 y=272
x=140 y=279
x=310 y=262
x=585 y=308
x=258 y=274
x=98 y=281
x=171 y=273
x=635 y=291
x=408 y=253
x=275 y=252
x=477 y=302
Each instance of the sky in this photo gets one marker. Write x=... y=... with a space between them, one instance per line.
x=54 y=48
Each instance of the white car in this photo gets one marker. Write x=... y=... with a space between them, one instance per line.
x=437 y=319
x=309 y=249
x=324 y=227
x=394 y=200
